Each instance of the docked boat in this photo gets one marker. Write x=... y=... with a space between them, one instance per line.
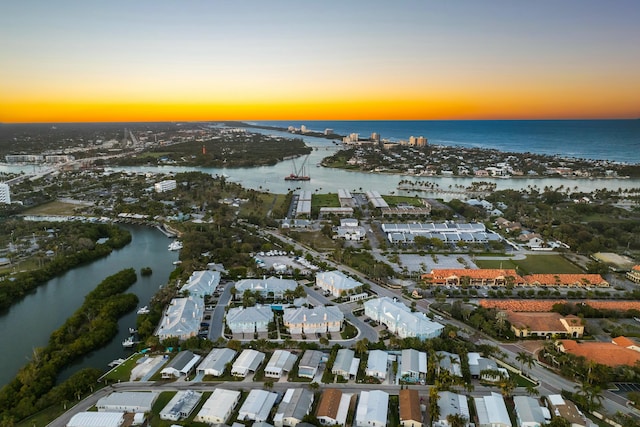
x=116 y=362
x=129 y=342
x=143 y=310
x=176 y=245
x=133 y=331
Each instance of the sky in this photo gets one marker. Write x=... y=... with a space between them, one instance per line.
x=170 y=60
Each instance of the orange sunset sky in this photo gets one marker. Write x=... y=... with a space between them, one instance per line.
x=72 y=61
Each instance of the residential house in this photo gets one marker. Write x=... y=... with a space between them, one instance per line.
x=181 y=365
x=248 y=361
x=491 y=411
x=413 y=365
x=337 y=283
x=317 y=320
x=97 y=419
x=309 y=363
x=345 y=365
x=372 y=409
x=559 y=407
x=218 y=407
x=216 y=361
x=410 y=412
x=450 y=362
x=377 y=364
x=250 y=319
x=528 y=412
x=202 y=283
x=280 y=362
x=181 y=318
x=181 y=405
x=479 y=364
x=267 y=287
x=634 y=274
x=400 y=320
x=257 y=405
x=127 y=401
x=626 y=343
x=333 y=407
x=295 y=405
x=450 y=403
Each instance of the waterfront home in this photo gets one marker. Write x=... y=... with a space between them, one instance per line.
x=182 y=318
x=202 y=283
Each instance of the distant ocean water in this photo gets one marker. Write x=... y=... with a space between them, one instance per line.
x=615 y=140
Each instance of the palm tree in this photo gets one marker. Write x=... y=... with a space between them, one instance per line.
x=457 y=420
x=362 y=346
x=590 y=394
x=524 y=358
x=434 y=409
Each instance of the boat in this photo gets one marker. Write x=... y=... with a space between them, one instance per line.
x=176 y=245
x=298 y=174
x=177 y=262
x=133 y=331
x=128 y=343
x=144 y=310
x=115 y=363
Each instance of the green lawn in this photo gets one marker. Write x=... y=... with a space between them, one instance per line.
x=329 y=200
x=534 y=264
x=123 y=371
x=53 y=208
x=396 y=200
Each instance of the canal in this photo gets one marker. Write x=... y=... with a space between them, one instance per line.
x=29 y=323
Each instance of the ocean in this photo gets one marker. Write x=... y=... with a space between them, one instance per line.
x=614 y=140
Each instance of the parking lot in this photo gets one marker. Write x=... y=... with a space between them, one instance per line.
x=626 y=387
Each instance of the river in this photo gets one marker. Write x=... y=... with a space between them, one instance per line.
x=30 y=322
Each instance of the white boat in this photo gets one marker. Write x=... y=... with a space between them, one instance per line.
x=128 y=343
x=177 y=262
x=116 y=362
x=133 y=331
x=144 y=310
x=176 y=245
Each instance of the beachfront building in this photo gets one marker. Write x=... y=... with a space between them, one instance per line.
x=410 y=412
x=181 y=405
x=345 y=365
x=248 y=361
x=450 y=403
x=5 y=194
x=372 y=409
x=216 y=362
x=280 y=363
x=182 y=318
x=337 y=283
x=166 y=185
x=528 y=324
x=413 y=365
x=634 y=274
x=333 y=407
x=181 y=365
x=317 y=320
x=400 y=320
x=202 y=283
x=127 y=401
x=566 y=280
x=309 y=363
x=257 y=406
x=377 y=364
x=97 y=419
x=250 y=319
x=528 y=412
x=473 y=277
x=492 y=411
x=296 y=404
x=267 y=287
x=218 y=407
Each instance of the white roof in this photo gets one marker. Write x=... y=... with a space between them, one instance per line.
x=202 y=282
x=258 y=405
x=492 y=410
x=338 y=280
x=282 y=360
x=343 y=360
x=313 y=316
x=400 y=319
x=184 y=401
x=372 y=408
x=295 y=404
x=414 y=361
x=259 y=314
x=452 y=403
x=96 y=419
x=217 y=360
x=528 y=410
x=377 y=361
x=555 y=399
x=266 y=285
x=249 y=360
x=219 y=404
x=182 y=318
x=128 y=399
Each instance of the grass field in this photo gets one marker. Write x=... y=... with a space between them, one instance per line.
x=314 y=239
x=53 y=208
x=329 y=200
x=396 y=200
x=534 y=264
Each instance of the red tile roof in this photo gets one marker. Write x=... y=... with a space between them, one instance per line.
x=565 y=279
x=482 y=273
x=542 y=322
x=623 y=342
x=604 y=353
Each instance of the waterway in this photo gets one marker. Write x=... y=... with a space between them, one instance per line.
x=29 y=323
x=329 y=180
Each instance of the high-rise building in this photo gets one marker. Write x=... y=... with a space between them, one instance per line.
x=5 y=194
x=375 y=137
